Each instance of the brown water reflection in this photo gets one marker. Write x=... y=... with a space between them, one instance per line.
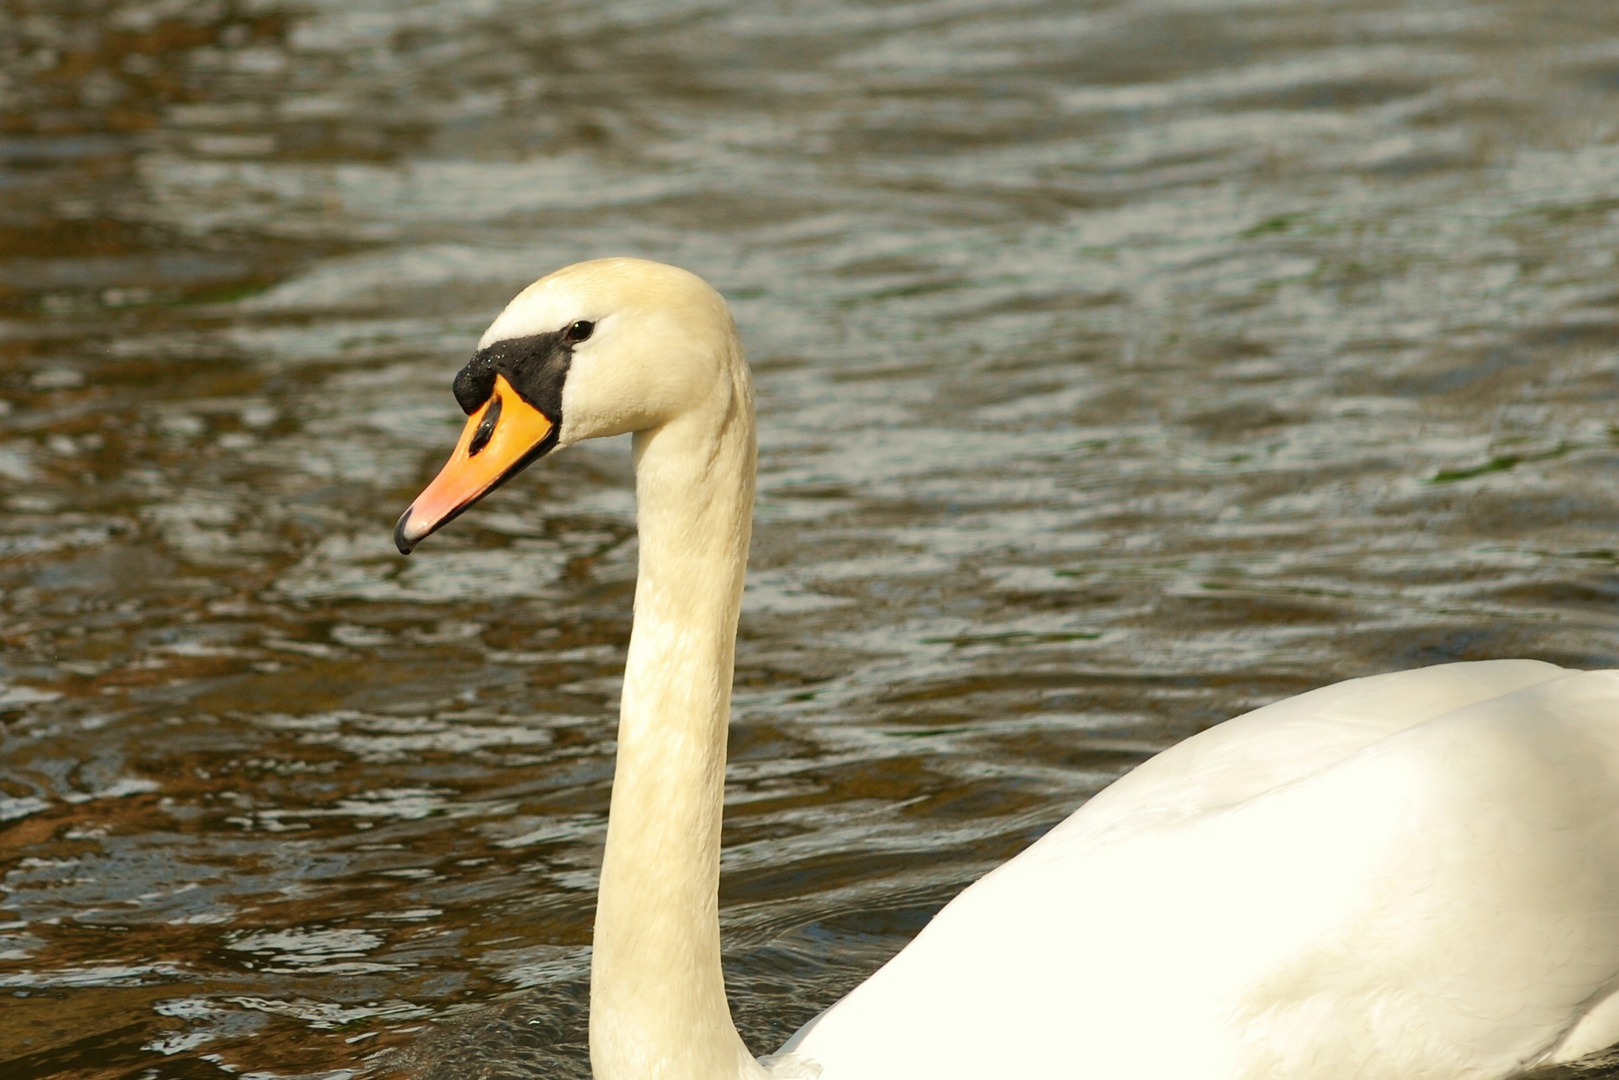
x=1123 y=365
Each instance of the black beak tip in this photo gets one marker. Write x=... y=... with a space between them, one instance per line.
x=404 y=545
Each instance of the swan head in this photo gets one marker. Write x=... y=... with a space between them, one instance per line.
x=597 y=348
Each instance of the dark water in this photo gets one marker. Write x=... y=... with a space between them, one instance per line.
x=1123 y=365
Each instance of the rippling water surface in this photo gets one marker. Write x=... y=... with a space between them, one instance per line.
x=1123 y=364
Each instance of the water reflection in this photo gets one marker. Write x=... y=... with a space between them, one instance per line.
x=1123 y=365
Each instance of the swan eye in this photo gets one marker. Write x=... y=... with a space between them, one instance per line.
x=578 y=332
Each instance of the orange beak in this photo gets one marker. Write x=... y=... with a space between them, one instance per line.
x=500 y=440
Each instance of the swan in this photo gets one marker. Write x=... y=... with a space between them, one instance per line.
x=1408 y=875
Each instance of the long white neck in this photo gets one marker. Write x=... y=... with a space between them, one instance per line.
x=657 y=995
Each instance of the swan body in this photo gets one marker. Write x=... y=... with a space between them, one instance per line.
x=1411 y=875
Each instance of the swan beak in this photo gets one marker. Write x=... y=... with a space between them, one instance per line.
x=501 y=439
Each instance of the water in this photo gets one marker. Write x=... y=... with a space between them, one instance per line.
x=1122 y=365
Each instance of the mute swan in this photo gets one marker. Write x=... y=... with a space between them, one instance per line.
x=1408 y=875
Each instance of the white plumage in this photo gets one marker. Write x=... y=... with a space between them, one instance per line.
x=1413 y=875
x=1409 y=875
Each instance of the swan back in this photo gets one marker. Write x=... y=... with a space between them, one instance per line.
x=1430 y=898
x=1285 y=741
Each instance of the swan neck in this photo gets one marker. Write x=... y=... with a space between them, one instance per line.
x=658 y=1006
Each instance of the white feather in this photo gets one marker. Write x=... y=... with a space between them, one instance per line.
x=1413 y=875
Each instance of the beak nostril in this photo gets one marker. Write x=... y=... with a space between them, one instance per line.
x=502 y=437
x=486 y=429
